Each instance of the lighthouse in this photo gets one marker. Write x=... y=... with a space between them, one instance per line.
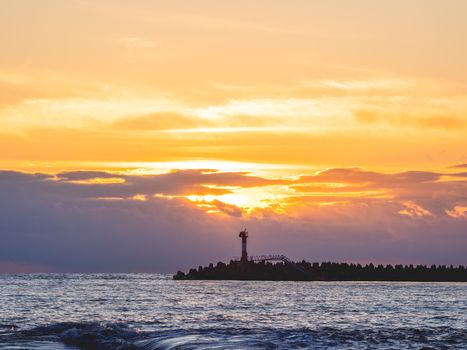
x=244 y=235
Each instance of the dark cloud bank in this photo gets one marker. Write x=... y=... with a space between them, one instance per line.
x=57 y=223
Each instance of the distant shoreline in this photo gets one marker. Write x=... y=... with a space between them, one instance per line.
x=325 y=271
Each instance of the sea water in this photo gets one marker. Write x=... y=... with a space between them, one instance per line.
x=151 y=311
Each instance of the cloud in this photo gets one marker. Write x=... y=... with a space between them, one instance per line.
x=159 y=121
x=459 y=166
x=84 y=175
x=427 y=190
x=12 y=93
x=412 y=209
x=442 y=122
x=231 y=210
x=60 y=222
x=177 y=182
x=426 y=120
x=361 y=176
x=458 y=212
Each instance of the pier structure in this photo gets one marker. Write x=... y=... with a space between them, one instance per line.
x=278 y=267
x=263 y=258
x=244 y=235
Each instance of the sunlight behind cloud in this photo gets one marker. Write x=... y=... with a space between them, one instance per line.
x=263 y=169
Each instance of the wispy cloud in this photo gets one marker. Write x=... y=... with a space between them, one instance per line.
x=457 y=166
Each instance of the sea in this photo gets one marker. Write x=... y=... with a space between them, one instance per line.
x=151 y=311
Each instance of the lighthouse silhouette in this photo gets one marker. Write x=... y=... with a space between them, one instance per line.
x=244 y=235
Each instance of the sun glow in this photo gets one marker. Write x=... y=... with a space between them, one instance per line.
x=247 y=198
x=99 y=181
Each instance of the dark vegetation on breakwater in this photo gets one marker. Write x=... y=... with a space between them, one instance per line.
x=326 y=271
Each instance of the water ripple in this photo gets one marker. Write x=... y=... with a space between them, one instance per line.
x=145 y=311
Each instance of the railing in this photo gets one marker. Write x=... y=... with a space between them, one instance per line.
x=273 y=257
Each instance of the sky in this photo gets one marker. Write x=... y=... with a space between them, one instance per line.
x=141 y=136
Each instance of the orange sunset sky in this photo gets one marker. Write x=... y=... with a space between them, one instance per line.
x=134 y=130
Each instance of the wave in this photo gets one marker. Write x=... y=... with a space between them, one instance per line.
x=117 y=336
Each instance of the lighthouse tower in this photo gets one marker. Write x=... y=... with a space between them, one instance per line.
x=244 y=235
